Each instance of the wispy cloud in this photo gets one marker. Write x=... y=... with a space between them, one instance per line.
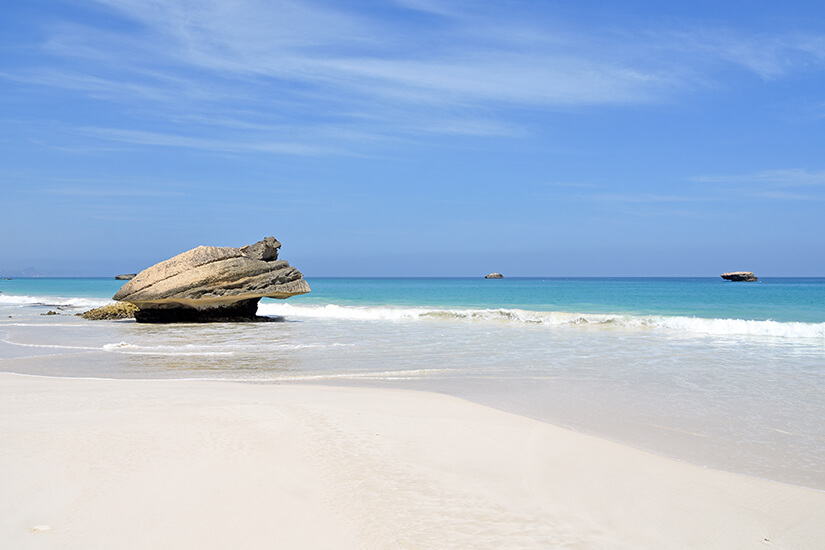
x=113 y=190
x=791 y=177
x=779 y=185
x=792 y=184
x=644 y=198
x=700 y=50
x=102 y=88
x=571 y=185
x=300 y=42
x=771 y=56
x=295 y=62
x=158 y=139
x=435 y=7
x=788 y=196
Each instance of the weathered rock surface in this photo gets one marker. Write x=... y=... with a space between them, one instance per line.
x=125 y=276
x=494 y=276
x=740 y=276
x=210 y=283
x=111 y=311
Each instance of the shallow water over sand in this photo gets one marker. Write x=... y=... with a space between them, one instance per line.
x=737 y=394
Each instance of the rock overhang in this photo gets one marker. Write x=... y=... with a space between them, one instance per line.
x=211 y=283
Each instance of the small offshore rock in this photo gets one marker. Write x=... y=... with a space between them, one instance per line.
x=745 y=276
x=123 y=310
x=50 y=312
x=494 y=276
x=125 y=276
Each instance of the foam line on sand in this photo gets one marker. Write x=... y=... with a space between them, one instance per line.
x=190 y=464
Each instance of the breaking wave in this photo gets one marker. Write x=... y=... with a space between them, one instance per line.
x=52 y=301
x=688 y=325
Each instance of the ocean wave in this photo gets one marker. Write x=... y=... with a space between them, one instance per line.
x=687 y=325
x=50 y=325
x=52 y=301
x=50 y=346
x=223 y=349
x=185 y=350
x=735 y=327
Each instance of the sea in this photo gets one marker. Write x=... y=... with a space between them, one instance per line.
x=725 y=375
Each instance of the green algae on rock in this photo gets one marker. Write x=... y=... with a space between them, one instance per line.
x=121 y=310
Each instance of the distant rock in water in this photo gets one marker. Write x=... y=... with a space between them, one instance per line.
x=746 y=276
x=494 y=276
x=125 y=276
x=210 y=283
x=109 y=312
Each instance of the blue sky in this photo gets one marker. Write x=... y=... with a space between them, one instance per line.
x=415 y=137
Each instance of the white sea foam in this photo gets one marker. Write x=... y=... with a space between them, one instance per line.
x=51 y=346
x=204 y=349
x=735 y=327
x=51 y=325
x=372 y=375
x=688 y=325
x=52 y=301
x=185 y=350
x=333 y=311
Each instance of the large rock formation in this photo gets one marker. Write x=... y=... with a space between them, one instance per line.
x=740 y=276
x=210 y=283
x=494 y=276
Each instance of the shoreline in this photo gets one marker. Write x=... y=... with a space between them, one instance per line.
x=186 y=463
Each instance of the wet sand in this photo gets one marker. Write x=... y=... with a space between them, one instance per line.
x=194 y=464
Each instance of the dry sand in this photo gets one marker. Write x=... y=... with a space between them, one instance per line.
x=91 y=464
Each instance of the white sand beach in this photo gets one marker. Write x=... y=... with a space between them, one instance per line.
x=121 y=464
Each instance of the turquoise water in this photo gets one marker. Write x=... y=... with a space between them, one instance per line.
x=778 y=299
x=786 y=299
x=727 y=375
